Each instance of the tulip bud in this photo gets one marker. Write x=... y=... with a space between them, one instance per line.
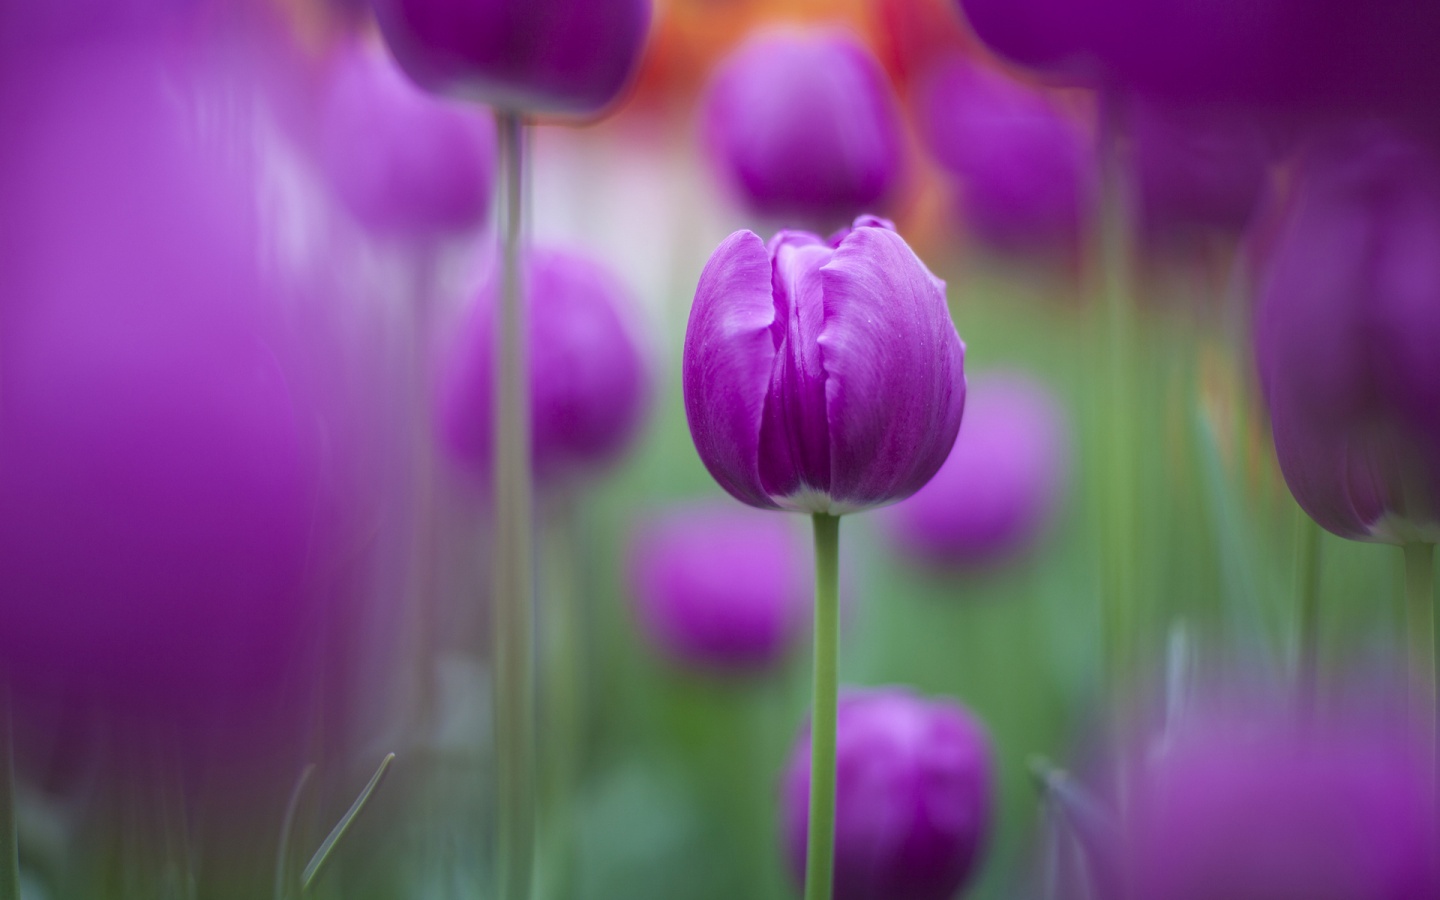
x=588 y=380
x=401 y=161
x=1023 y=165
x=1000 y=486
x=913 y=797
x=1197 y=171
x=1262 y=808
x=822 y=376
x=554 y=57
x=803 y=125
x=720 y=589
x=1348 y=326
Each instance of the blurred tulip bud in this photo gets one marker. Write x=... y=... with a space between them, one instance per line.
x=175 y=421
x=913 y=797
x=1346 y=342
x=1023 y=165
x=803 y=125
x=552 y=57
x=721 y=589
x=1256 y=806
x=822 y=376
x=402 y=162
x=1197 y=171
x=1001 y=485
x=588 y=380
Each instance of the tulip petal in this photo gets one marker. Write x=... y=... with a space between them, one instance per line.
x=896 y=387
x=730 y=348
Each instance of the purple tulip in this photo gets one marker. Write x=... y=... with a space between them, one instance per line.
x=1265 y=809
x=1348 y=326
x=721 y=589
x=588 y=379
x=1001 y=485
x=176 y=451
x=822 y=376
x=1024 y=166
x=1197 y=170
x=913 y=797
x=554 y=57
x=803 y=125
x=401 y=161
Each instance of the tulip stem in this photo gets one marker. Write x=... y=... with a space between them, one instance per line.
x=1307 y=594
x=820 y=836
x=1420 y=613
x=513 y=600
x=9 y=834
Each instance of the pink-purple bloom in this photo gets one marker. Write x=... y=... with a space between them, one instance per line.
x=803 y=125
x=402 y=162
x=822 y=375
x=558 y=57
x=1001 y=485
x=1198 y=171
x=588 y=379
x=1022 y=164
x=1346 y=342
x=913 y=797
x=1261 y=807
x=720 y=589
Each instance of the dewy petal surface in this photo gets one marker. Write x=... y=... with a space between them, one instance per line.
x=896 y=386
x=795 y=436
x=730 y=352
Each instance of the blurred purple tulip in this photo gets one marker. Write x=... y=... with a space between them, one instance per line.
x=1258 y=808
x=1023 y=165
x=1197 y=170
x=1000 y=486
x=822 y=376
x=551 y=57
x=913 y=797
x=1285 y=55
x=721 y=589
x=180 y=455
x=803 y=125
x=1346 y=341
x=401 y=161
x=588 y=379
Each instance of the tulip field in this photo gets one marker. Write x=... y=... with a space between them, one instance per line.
x=700 y=450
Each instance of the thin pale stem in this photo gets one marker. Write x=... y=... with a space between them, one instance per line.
x=513 y=596
x=1307 y=602
x=9 y=834
x=820 y=836
x=1420 y=624
x=562 y=688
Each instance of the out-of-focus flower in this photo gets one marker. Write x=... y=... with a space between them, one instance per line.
x=822 y=376
x=588 y=380
x=1001 y=485
x=1347 y=336
x=802 y=124
x=1279 y=54
x=1197 y=170
x=178 y=443
x=913 y=797
x=1260 y=807
x=26 y=22
x=1024 y=166
x=554 y=57
x=402 y=162
x=911 y=35
x=720 y=589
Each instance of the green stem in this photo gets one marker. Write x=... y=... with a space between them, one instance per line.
x=513 y=597
x=1117 y=264
x=1420 y=616
x=820 y=837
x=1307 y=599
x=9 y=834
x=562 y=687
